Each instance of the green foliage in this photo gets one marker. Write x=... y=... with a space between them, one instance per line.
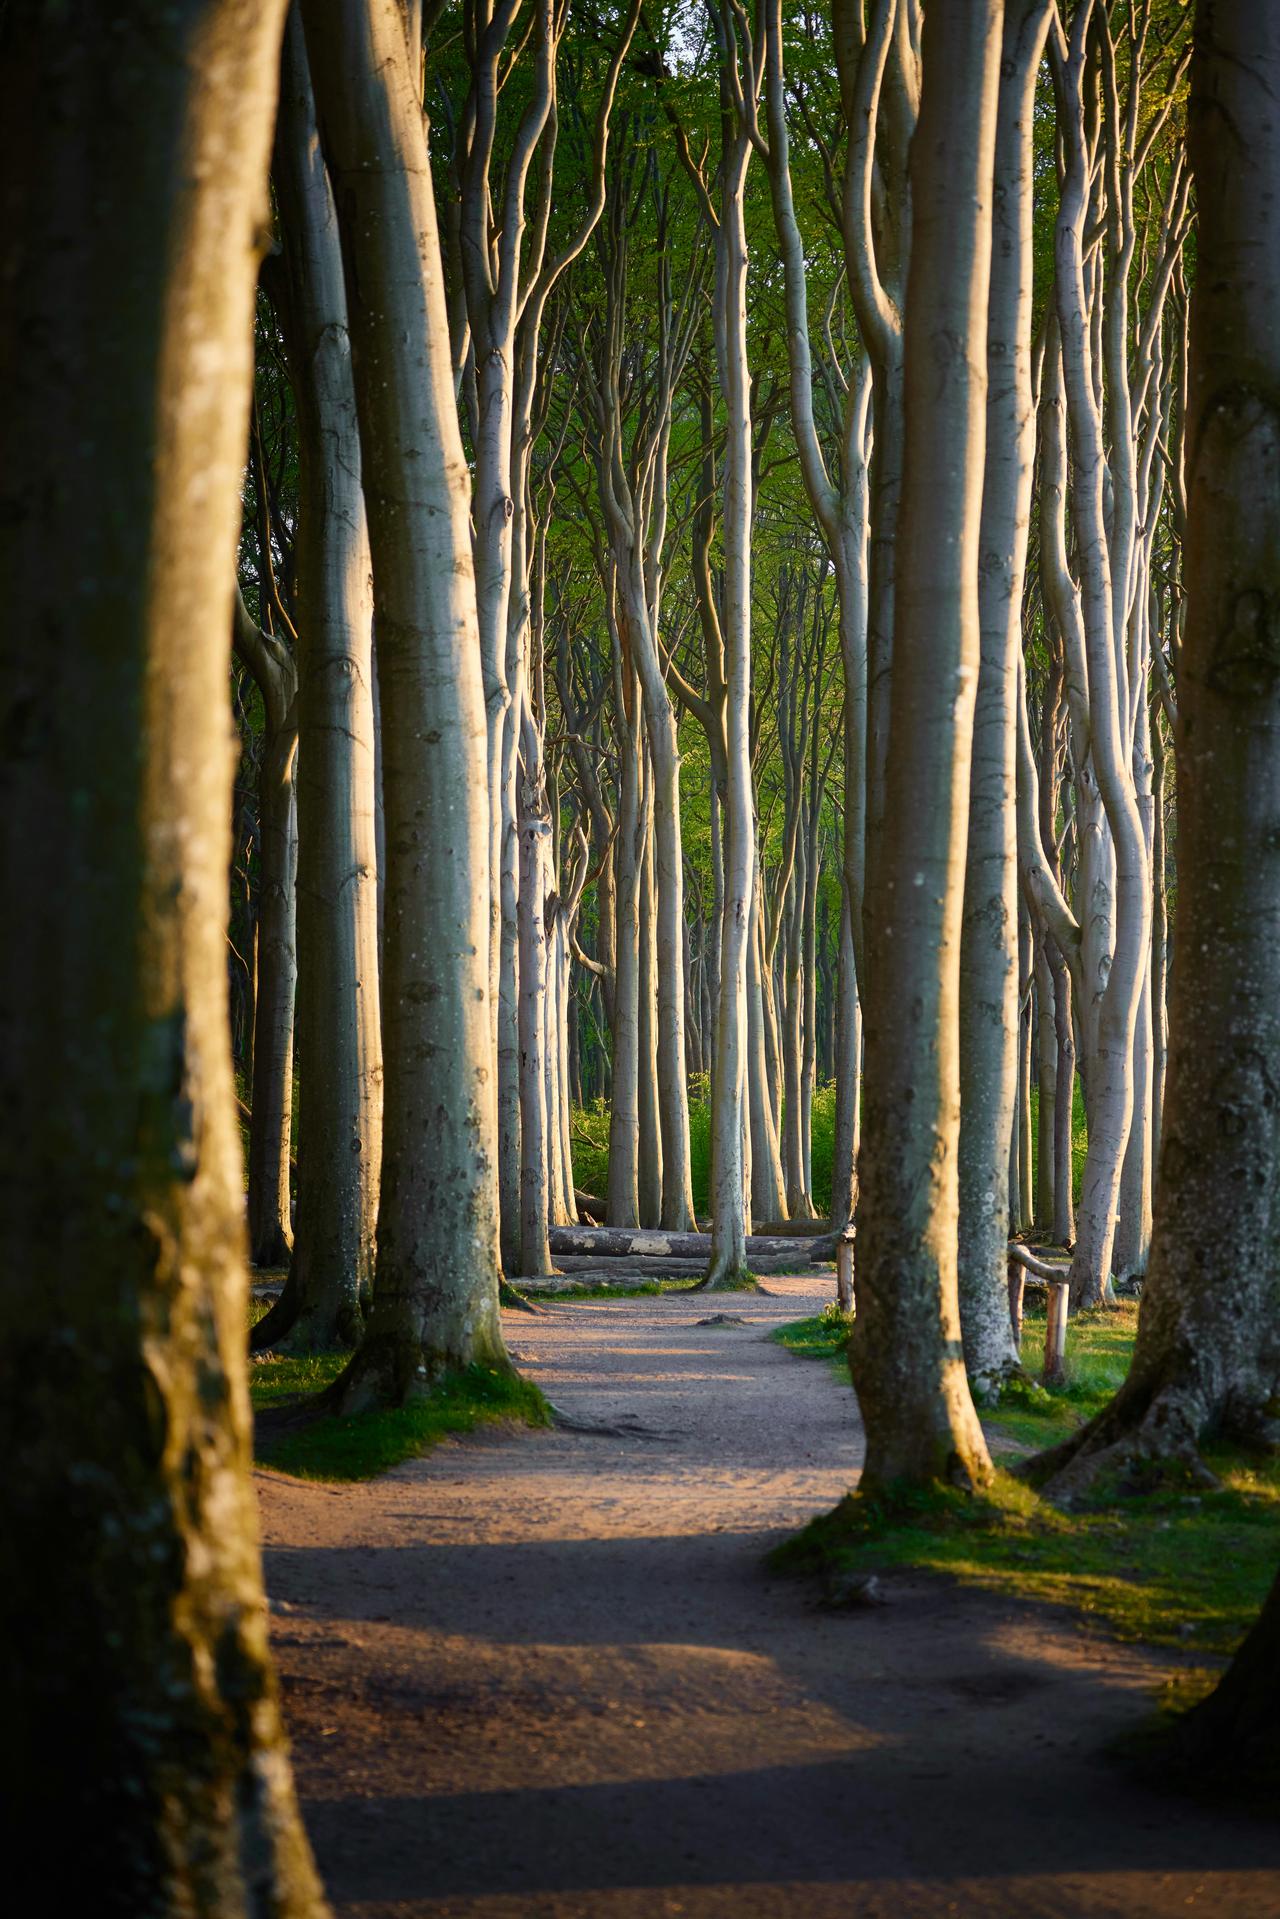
x=1079 y=1138
x=325 y=1446
x=589 y=1139
x=590 y=1136
x=1099 y=1346
x=824 y=1337
x=1175 y=1566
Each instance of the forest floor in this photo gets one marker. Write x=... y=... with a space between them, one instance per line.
x=547 y=1673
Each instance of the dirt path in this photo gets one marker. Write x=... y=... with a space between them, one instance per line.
x=546 y=1674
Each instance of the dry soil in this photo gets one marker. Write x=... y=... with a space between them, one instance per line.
x=547 y=1673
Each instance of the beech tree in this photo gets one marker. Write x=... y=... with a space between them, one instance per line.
x=435 y=1301
x=139 y=1689
x=340 y=1091
x=989 y=971
x=911 y=1384
x=1206 y=1358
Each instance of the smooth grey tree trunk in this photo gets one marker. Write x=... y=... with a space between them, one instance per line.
x=905 y=1353
x=989 y=958
x=435 y=1304
x=340 y=1088
x=1207 y=1357
x=730 y=1128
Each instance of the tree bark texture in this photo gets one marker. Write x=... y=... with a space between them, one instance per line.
x=435 y=1304
x=906 y=1348
x=340 y=1090
x=137 y=1682
x=1207 y=1357
x=989 y=976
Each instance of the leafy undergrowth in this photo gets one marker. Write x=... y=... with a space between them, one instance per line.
x=325 y=1446
x=823 y=1337
x=1174 y=1566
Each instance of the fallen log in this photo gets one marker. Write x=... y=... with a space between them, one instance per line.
x=618 y=1242
x=590 y=1209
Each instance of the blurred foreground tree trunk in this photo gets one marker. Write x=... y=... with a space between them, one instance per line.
x=138 y=1690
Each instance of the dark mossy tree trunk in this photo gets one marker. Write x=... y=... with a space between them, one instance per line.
x=1234 y=1735
x=435 y=1303
x=139 y=1700
x=340 y=1087
x=906 y=1353
x=1207 y=1357
x=271 y=1118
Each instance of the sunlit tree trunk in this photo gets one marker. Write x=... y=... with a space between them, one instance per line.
x=1207 y=1357
x=905 y=1353
x=139 y=1695
x=435 y=1302
x=989 y=958
x=730 y=1201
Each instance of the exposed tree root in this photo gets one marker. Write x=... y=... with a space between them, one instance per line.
x=287 y=1328
x=730 y=1279
x=1148 y=1435
x=518 y=1302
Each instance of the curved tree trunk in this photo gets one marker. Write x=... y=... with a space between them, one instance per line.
x=1207 y=1356
x=340 y=1090
x=905 y=1352
x=435 y=1303
x=138 y=1689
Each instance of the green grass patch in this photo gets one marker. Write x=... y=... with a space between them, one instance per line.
x=824 y=1337
x=1171 y=1568
x=1099 y=1347
x=325 y=1446
x=1177 y=1566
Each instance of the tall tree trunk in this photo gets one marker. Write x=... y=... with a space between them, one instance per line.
x=989 y=961
x=435 y=1304
x=1046 y=1085
x=624 y=1105
x=650 y=1164
x=1118 y=964
x=730 y=1199
x=138 y=1689
x=919 y=1417
x=504 y=929
x=1207 y=1356
x=535 y=1169
x=340 y=1091
x=270 y=1124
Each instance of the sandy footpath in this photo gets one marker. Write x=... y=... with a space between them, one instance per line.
x=547 y=1673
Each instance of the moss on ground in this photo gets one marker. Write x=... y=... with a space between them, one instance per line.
x=642 y=1289
x=321 y=1445
x=1174 y=1566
